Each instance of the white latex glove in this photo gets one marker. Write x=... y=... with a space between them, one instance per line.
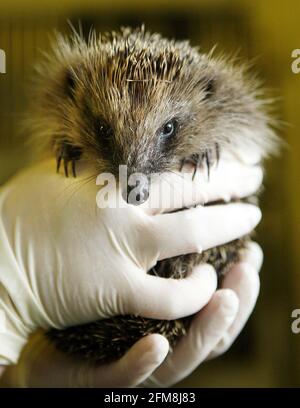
x=212 y=331
x=65 y=262
x=218 y=324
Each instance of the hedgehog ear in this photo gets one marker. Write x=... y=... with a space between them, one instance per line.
x=209 y=88
x=70 y=83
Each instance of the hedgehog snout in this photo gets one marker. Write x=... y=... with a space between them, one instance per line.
x=137 y=190
x=139 y=196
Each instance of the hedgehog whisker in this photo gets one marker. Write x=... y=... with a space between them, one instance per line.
x=80 y=183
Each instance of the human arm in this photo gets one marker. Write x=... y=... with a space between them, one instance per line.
x=46 y=217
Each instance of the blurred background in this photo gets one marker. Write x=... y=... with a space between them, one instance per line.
x=267 y=353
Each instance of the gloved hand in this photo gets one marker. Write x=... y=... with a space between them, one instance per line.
x=66 y=262
x=212 y=332
x=218 y=324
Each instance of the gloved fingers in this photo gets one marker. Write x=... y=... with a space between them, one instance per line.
x=229 y=180
x=201 y=228
x=243 y=279
x=249 y=155
x=253 y=255
x=160 y=298
x=206 y=330
x=135 y=366
x=41 y=365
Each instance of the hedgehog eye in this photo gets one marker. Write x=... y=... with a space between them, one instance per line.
x=169 y=129
x=104 y=130
x=103 y=133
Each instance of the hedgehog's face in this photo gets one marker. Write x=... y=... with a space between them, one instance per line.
x=149 y=122
x=149 y=106
x=146 y=121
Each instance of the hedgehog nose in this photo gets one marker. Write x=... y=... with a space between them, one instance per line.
x=137 y=195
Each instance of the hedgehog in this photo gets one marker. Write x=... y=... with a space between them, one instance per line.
x=153 y=104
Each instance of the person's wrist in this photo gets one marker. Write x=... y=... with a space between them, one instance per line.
x=13 y=330
x=20 y=310
x=13 y=333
